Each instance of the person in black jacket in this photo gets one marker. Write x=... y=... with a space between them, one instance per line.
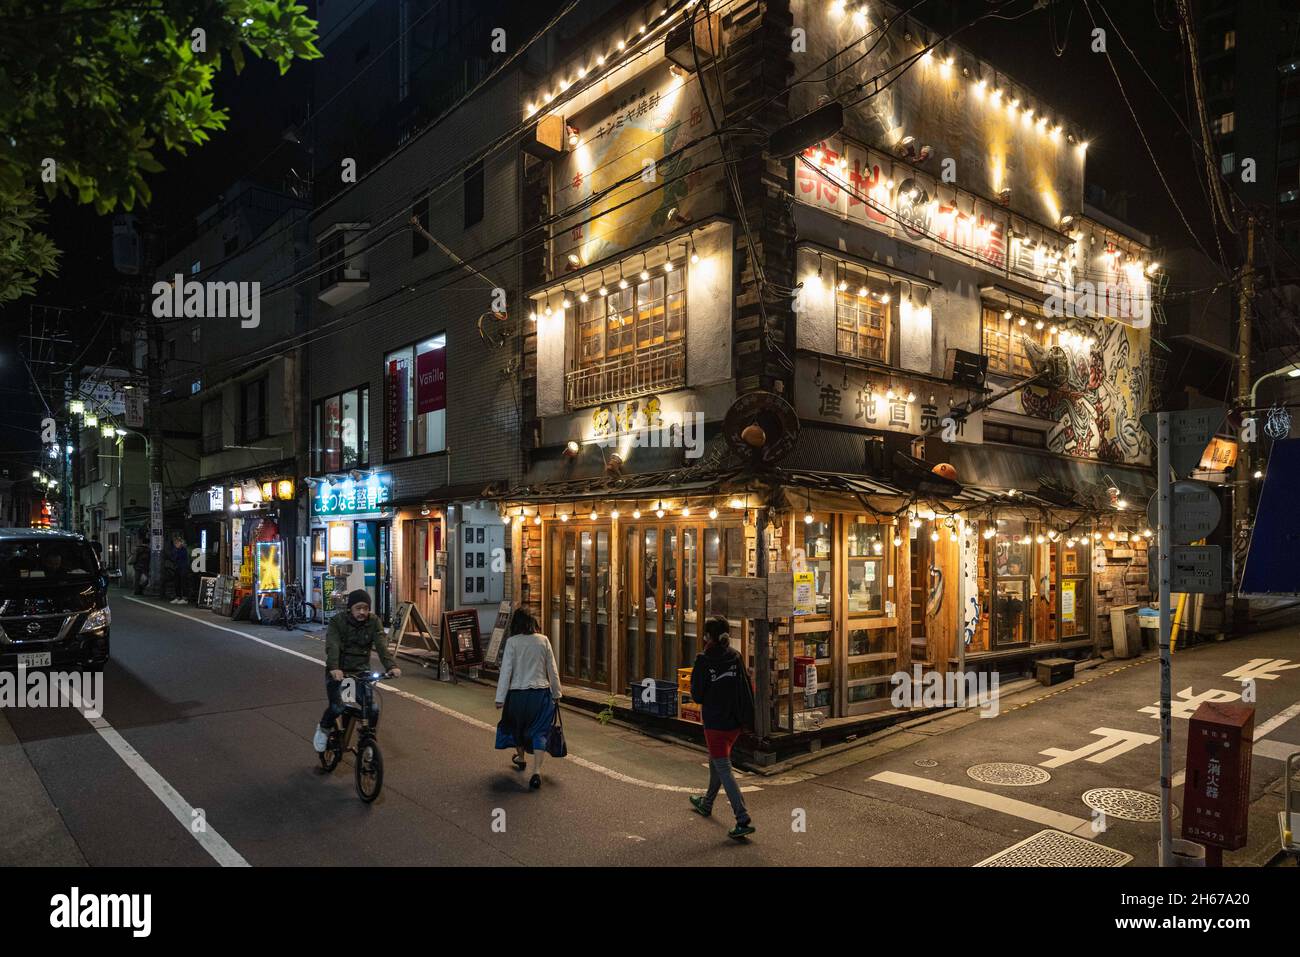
x=720 y=685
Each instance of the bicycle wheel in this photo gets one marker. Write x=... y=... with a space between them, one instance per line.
x=333 y=753
x=308 y=612
x=370 y=770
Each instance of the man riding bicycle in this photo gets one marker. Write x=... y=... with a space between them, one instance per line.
x=348 y=642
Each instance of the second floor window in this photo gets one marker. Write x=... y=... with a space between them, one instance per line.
x=863 y=311
x=1006 y=333
x=648 y=313
x=253 y=409
x=631 y=340
x=213 y=438
x=415 y=399
x=341 y=431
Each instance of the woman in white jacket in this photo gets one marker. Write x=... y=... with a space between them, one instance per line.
x=527 y=694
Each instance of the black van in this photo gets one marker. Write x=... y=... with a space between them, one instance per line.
x=53 y=601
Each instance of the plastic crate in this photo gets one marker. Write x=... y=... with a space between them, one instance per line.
x=665 y=699
x=692 y=712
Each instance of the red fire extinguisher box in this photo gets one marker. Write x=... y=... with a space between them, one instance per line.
x=1216 y=794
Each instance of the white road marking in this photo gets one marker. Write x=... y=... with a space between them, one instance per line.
x=1279 y=719
x=182 y=810
x=1277 y=750
x=441 y=709
x=1113 y=743
x=992 y=802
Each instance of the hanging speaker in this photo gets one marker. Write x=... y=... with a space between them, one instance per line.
x=762 y=427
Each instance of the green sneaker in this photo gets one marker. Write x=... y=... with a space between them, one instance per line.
x=700 y=807
x=741 y=831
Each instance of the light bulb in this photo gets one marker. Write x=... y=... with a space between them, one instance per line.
x=636 y=513
x=989 y=532
x=564 y=516
x=538 y=519
x=685 y=512
x=659 y=512
x=603 y=291
x=613 y=513
x=898 y=540
x=934 y=536
x=807 y=518
x=713 y=513
x=593 y=515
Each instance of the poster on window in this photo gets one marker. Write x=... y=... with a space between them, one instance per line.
x=268 y=566
x=431 y=381
x=1067 y=601
x=805 y=602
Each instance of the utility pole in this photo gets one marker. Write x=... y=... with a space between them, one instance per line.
x=1242 y=487
x=153 y=362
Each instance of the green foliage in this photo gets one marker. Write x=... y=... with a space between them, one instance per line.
x=99 y=86
x=606 y=715
x=25 y=255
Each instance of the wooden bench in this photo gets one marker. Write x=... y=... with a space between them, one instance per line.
x=1052 y=671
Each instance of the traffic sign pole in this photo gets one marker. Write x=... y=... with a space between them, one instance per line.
x=1165 y=546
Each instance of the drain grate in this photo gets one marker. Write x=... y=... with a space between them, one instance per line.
x=1008 y=774
x=1057 y=849
x=1126 y=804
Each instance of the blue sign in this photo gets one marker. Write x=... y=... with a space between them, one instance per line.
x=351 y=496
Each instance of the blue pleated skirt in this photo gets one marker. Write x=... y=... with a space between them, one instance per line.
x=526 y=719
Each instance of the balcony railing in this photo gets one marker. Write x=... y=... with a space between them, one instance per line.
x=624 y=377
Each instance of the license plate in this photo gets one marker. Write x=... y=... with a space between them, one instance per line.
x=36 y=659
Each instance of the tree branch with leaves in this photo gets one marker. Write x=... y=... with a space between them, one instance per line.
x=92 y=93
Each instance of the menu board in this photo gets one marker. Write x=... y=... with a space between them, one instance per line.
x=460 y=638
x=495 y=643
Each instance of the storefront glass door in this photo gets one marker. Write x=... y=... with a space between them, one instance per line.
x=580 y=602
x=371 y=549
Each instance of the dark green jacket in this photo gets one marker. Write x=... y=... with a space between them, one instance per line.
x=348 y=644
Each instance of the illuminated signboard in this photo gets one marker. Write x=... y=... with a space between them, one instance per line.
x=353 y=496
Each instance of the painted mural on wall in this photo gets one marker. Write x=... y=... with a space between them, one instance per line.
x=642 y=166
x=1097 y=410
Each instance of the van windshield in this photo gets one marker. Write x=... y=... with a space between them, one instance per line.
x=46 y=560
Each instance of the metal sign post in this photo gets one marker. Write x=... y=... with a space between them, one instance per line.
x=1164 y=544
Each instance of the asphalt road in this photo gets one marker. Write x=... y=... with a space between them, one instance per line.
x=203 y=757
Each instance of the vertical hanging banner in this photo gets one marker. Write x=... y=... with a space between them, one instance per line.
x=396 y=386
x=431 y=381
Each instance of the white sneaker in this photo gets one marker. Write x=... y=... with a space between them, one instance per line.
x=320 y=739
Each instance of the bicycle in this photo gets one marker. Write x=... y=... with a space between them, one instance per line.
x=296 y=609
x=360 y=706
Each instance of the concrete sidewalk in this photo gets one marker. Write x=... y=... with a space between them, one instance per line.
x=33 y=833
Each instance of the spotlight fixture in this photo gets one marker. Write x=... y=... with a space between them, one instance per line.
x=571 y=448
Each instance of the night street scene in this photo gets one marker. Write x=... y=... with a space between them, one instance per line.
x=620 y=437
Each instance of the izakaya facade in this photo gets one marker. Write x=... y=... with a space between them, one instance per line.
x=898 y=282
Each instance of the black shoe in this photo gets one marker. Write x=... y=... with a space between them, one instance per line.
x=518 y=762
x=535 y=782
x=741 y=831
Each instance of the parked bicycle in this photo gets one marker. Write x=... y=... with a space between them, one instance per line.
x=360 y=709
x=297 y=610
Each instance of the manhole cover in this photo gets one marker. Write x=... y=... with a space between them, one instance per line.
x=1126 y=804
x=1057 y=849
x=926 y=763
x=1008 y=775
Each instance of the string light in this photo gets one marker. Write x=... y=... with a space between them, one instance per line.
x=713 y=513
